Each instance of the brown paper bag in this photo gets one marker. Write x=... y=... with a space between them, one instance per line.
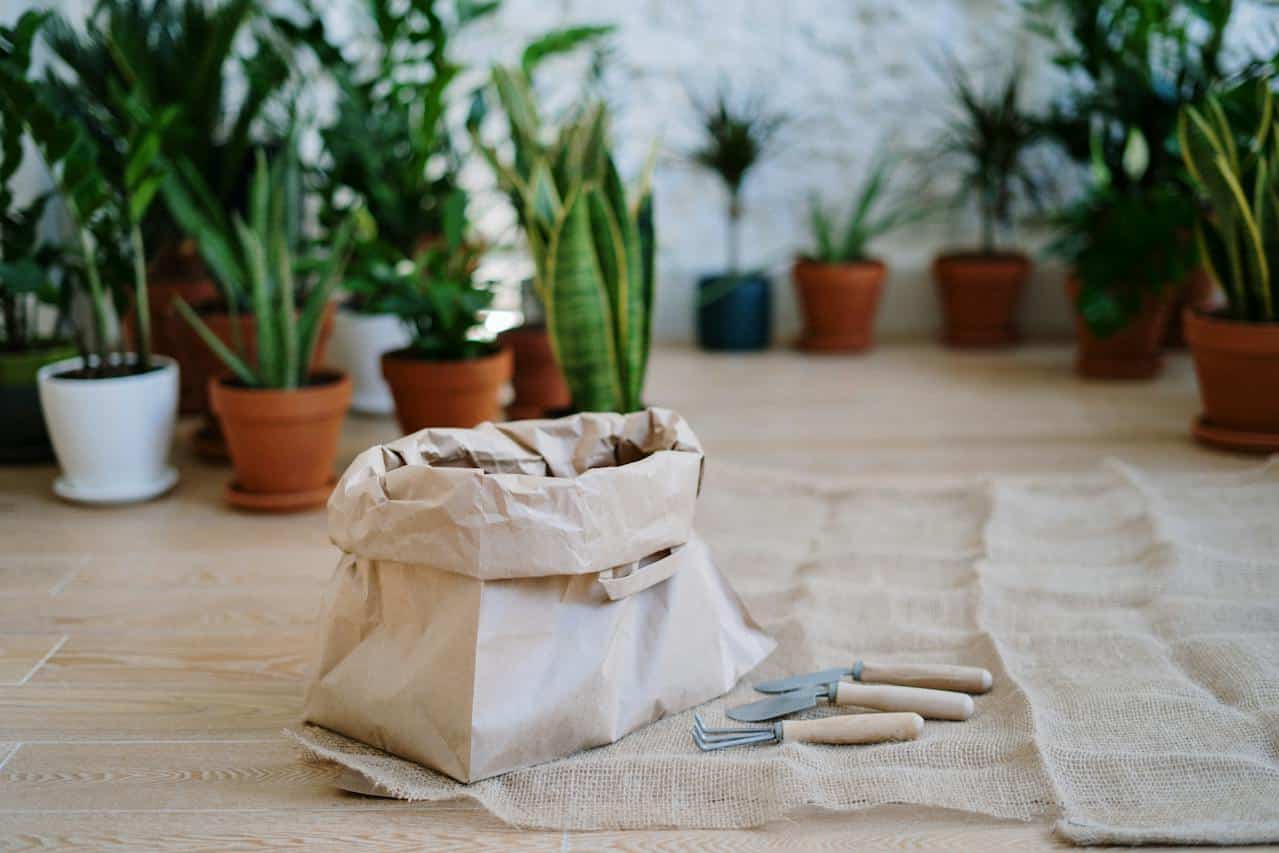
x=513 y=593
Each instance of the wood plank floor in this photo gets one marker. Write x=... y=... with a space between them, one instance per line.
x=149 y=656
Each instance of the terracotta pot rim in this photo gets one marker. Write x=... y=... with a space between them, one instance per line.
x=873 y=263
x=1209 y=330
x=402 y=355
x=960 y=256
x=327 y=378
x=311 y=402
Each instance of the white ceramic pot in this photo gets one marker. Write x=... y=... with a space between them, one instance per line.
x=111 y=436
x=358 y=343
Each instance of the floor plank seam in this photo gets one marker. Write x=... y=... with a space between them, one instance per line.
x=53 y=651
x=10 y=754
x=58 y=587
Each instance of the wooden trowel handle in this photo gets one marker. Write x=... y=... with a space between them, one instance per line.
x=854 y=728
x=930 y=704
x=969 y=679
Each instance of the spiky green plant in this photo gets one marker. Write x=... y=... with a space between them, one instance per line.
x=256 y=263
x=592 y=241
x=1234 y=163
x=873 y=215
x=737 y=133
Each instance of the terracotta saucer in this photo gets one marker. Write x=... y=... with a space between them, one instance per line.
x=278 y=501
x=1233 y=439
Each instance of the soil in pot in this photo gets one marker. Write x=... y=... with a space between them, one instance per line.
x=839 y=302
x=23 y=435
x=980 y=297
x=198 y=359
x=446 y=393
x=1133 y=352
x=539 y=385
x=734 y=312
x=282 y=442
x=1237 y=365
x=1198 y=292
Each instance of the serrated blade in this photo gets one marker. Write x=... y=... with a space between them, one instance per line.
x=808 y=679
x=775 y=706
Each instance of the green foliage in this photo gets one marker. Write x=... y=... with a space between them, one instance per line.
x=1234 y=162
x=592 y=242
x=987 y=140
x=175 y=58
x=257 y=263
x=738 y=132
x=873 y=215
x=436 y=295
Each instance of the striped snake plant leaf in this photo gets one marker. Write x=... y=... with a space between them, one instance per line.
x=578 y=313
x=260 y=300
x=648 y=281
x=629 y=298
x=233 y=361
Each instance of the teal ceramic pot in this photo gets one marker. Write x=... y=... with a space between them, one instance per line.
x=734 y=313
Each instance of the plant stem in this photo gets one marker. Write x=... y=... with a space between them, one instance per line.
x=141 y=307
x=97 y=298
x=734 y=230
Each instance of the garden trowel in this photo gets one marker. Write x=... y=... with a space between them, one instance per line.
x=931 y=704
x=969 y=679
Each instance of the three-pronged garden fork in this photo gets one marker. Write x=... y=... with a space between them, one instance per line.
x=843 y=729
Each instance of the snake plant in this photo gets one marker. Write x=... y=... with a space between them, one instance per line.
x=256 y=262
x=873 y=215
x=1234 y=162
x=591 y=240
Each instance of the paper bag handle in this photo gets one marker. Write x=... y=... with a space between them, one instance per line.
x=617 y=585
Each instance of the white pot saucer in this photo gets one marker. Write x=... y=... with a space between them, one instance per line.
x=116 y=494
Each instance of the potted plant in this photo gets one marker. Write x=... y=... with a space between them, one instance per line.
x=591 y=240
x=986 y=142
x=185 y=55
x=539 y=388
x=25 y=284
x=1128 y=239
x=389 y=154
x=734 y=308
x=1233 y=158
x=839 y=284
x=110 y=412
x=445 y=377
x=282 y=418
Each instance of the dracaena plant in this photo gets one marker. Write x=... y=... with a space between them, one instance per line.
x=178 y=55
x=987 y=140
x=737 y=134
x=873 y=215
x=1233 y=159
x=257 y=262
x=106 y=194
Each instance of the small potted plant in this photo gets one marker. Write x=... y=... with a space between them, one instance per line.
x=539 y=388
x=987 y=142
x=839 y=284
x=734 y=310
x=110 y=411
x=281 y=417
x=1233 y=158
x=446 y=376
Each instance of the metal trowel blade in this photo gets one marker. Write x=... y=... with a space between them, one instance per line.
x=808 y=679
x=775 y=706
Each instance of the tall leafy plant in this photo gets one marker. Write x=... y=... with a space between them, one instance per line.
x=256 y=261
x=591 y=239
x=737 y=134
x=873 y=215
x=1233 y=160
x=106 y=194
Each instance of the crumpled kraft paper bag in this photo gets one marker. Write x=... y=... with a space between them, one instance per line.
x=513 y=593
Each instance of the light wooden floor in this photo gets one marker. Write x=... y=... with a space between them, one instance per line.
x=149 y=656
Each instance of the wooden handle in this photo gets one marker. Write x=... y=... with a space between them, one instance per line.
x=969 y=679
x=930 y=704
x=854 y=728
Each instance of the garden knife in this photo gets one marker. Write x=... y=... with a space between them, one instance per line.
x=969 y=679
x=931 y=704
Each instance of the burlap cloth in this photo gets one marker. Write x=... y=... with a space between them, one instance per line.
x=1131 y=621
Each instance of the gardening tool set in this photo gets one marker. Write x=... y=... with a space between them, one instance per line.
x=908 y=692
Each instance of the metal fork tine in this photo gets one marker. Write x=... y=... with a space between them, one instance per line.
x=722 y=738
x=706 y=745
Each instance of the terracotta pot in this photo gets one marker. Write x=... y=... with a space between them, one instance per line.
x=539 y=385
x=1133 y=352
x=282 y=442
x=1238 y=368
x=197 y=358
x=446 y=393
x=839 y=302
x=1199 y=291
x=980 y=295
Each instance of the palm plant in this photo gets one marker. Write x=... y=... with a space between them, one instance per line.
x=1234 y=163
x=256 y=263
x=737 y=132
x=107 y=196
x=873 y=215
x=988 y=139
